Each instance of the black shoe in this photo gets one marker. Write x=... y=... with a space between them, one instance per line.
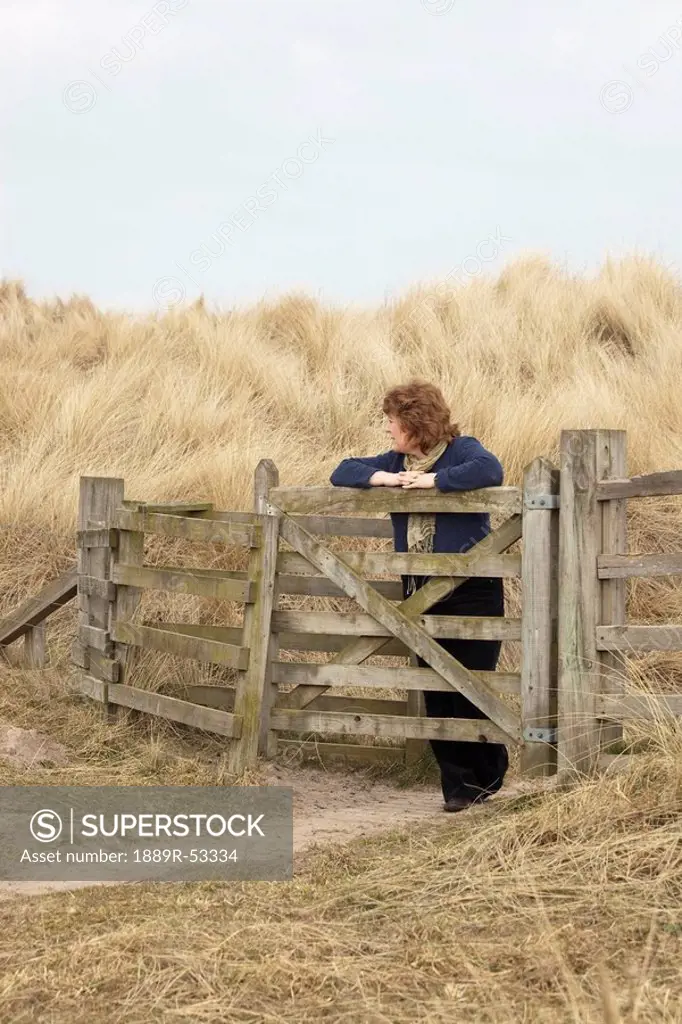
x=456 y=803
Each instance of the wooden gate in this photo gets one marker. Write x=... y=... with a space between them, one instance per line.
x=383 y=623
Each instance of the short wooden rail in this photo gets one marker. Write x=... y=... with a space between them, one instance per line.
x=28 y=620
x=221 y=586
x=649 y=486
x=384 y=726
x=307 y=500
x=374 y=563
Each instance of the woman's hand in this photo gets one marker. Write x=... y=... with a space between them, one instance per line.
x=421 y=481
x=382 y=479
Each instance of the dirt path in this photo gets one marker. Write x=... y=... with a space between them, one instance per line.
x=329 y=807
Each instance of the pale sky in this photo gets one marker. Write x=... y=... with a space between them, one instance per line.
x=343 y=148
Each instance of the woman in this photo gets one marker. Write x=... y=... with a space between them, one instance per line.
x=429 y=451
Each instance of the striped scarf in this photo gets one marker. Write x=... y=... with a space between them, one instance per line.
x=421 y=528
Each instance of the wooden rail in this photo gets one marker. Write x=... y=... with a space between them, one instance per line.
x=308 y=500
x=35 y=610
x=616 y=567
x=649 y=486
x=374 y=563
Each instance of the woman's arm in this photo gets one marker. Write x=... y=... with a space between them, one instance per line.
x=359 y=472
x=479 y=468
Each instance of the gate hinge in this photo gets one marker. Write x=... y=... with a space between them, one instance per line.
x=540 y=735
x=541 y=501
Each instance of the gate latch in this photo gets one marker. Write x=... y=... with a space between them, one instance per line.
x=540 y=735
x=541 y=501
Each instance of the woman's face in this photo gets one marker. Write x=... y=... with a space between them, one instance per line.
x=401 y=441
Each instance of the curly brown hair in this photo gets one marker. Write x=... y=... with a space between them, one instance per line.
x=422 y=412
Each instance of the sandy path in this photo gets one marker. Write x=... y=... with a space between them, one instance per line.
x=329 y=807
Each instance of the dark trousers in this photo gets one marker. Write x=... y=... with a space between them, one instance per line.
x=469 y=770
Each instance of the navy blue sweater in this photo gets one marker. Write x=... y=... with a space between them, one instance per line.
x=465 y=465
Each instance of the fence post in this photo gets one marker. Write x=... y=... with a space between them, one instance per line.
x=579 y=604
x=130 y=551
x=255 y=689
x=98 y=500
x=612 y=462
x=539 y=617
x=34 y=647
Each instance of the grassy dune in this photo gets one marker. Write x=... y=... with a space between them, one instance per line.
x=564 y=908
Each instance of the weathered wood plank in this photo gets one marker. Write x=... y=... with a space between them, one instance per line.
x=643 y=706
x=79 y=655
x=89 y=687
x=98 y=499
x=127 y=601
x=223 y=697
x=102 y=667
x=314 y=500
x=36 y=609
x=410 y=679
x=354 y=624
x=187 y=527
x=621 y=567
x=93 y=587
x=612 y=463
x=96 y=537
x=579 y=546
x=628 y=639
x=329 y=642
x=224 y=634
x=312 y=642
x=346 y=526
x=397 y=563
x=402 y=627
x=96 y=637
x=539 y=612
x=201 y=582
x=435 y=590
x=649 y=485
x=319 y=586
x=255 y=689
x=34 y=647
x=199 y=648
x=326 y=526
x=357 y=753
x=175 y=710
x=175 y=508
x=339 y=723
x=96 y=664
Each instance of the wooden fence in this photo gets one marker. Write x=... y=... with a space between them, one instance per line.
x=562 y=709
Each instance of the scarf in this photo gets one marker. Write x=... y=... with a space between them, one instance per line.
x=421 y=528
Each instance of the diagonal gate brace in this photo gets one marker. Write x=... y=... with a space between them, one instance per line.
x=402 y=627
x=437 y=589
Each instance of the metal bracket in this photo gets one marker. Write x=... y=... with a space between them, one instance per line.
x=540 y=735
x=271 y=510
x=541 y=501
